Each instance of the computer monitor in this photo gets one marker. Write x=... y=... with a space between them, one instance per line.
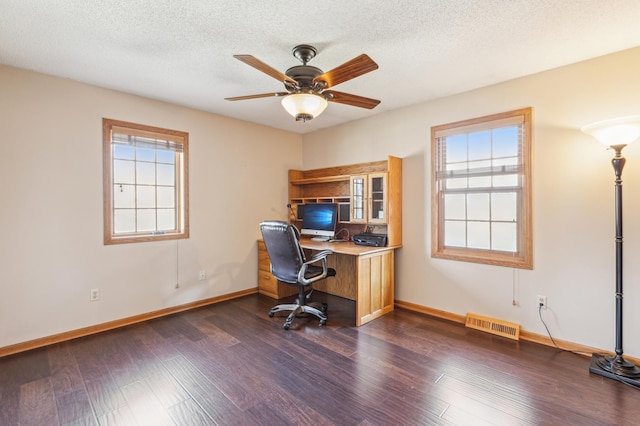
x=320 y=220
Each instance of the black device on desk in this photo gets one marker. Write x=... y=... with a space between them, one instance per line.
x=367 y=239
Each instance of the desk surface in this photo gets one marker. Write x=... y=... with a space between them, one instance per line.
x=343 y=247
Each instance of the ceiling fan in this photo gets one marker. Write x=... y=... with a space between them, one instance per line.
x=306 y=86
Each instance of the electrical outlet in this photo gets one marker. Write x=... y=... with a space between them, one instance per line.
x=542 y=302
x=95 y=294
x=202 y=276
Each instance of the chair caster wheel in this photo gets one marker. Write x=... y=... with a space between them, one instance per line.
x=323 y=322
x=286 y=325
x=270 y=314
x=324 y=308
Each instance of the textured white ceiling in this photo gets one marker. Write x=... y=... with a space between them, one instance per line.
x=181 y=51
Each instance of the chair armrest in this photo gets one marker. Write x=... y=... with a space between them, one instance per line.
x=318 y=257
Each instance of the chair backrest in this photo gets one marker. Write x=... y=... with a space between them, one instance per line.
x=286 y=255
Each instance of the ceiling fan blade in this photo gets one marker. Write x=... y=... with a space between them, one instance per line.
x=350 y=69
x=262 y=95
x=261 y=66
x=353 y=100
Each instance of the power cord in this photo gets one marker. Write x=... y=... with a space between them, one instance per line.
x=346 y=231
x=554 y=342
x=576 y=352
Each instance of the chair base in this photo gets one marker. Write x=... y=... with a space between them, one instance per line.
x=298 y=308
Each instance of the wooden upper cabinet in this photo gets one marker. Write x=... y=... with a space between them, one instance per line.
x=369 y=198
x=377 y=198
x=371 y=193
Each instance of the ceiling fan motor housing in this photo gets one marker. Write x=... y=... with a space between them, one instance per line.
x=304 y=75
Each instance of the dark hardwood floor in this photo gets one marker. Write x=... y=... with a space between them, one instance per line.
x=230 y=364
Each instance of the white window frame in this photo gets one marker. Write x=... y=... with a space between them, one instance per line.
x=121 y=132
x=441 y=173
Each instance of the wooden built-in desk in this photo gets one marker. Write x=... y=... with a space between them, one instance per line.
x=367 y=194
x=363 y=274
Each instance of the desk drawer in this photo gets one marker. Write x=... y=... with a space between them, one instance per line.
x=267 y=284
x=264 y=264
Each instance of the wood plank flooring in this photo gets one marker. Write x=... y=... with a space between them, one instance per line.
x=230 y=364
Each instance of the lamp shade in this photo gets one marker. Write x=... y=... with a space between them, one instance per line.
x=618 y=131
x=304 y=106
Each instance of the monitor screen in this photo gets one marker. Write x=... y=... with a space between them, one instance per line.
x=320 y=219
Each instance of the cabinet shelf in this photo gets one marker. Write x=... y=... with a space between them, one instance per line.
x=325 y=179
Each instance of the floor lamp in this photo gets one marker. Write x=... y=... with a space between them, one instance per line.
x=616 y=134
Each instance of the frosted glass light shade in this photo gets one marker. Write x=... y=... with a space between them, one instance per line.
x=618 y=131
x=304 y=106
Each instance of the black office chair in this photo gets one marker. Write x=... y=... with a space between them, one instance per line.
x=289 y=265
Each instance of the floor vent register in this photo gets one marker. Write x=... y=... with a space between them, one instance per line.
x=493 y=326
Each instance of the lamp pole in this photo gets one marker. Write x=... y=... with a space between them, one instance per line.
x=615 y=366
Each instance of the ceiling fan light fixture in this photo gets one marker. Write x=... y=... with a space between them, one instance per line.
x=304 y=106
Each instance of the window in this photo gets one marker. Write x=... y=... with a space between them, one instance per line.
x=481 y=186
x=145 y=183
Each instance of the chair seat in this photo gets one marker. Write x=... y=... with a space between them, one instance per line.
x=314 y=271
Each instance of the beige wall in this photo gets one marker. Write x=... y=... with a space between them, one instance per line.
x=51 y=217
x=52 y=251
x=573 y=201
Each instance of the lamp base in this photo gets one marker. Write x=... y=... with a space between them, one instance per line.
x=617 y=368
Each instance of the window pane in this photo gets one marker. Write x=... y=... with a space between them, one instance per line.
x=377 y=208
x=454 y=233
x=505 y=180
x=456 y=166
x=124 y=171
x=479 y=145
x=456 y=147
x=480 y=164
x=125 y=152
x=480 y=182
x=454 y=206
x=478 y=235
x=456 y=183
x=505 y=142
x=358 y=186
x=506 y=161
x=504 y=237
x=504 y=206
x=146 y=173
x=146 y=197
x=124 y=196
x=145 y=154
x=377 y=185
x=166 y=174
x=478 y=207
x=166 y=219
x=358 y=198
x=166 y=197
x=124 y=221
x=146 y=220
x=167 y=157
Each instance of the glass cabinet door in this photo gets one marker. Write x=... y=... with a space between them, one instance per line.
x=358 y=199
x=378 y=198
